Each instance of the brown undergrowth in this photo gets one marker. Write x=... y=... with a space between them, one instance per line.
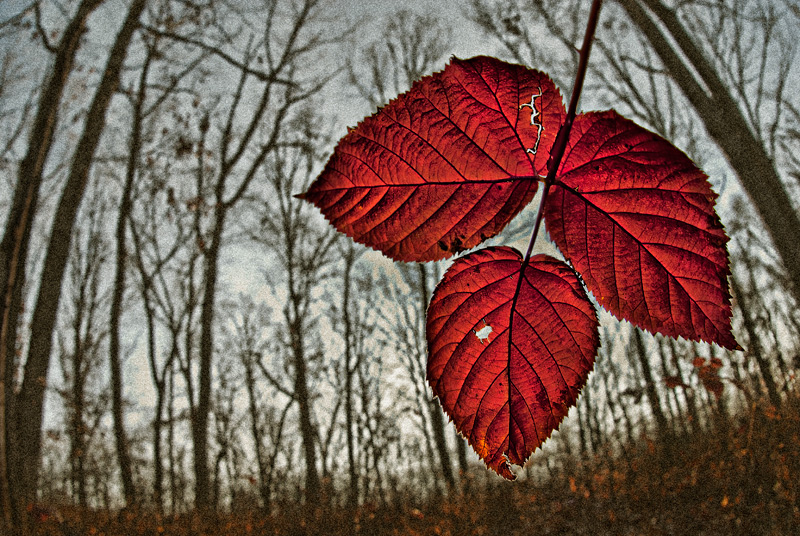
x=739 y=476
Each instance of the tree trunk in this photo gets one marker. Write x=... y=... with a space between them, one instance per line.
x=435 y=411
x=592 y=434
x=689 y=394
x=726 y=125
x=304 y=407
x=461 y=453
x=583 y=435
x=300 y=274
x=440 y=440
x=115 y=365
x=173 y=473
x=77 y=405
x=349 y=261
x=159 y=379
x=372 y=452
x=622 y=404
x=211 y=259
x=649 y=383
x=671 y=397
x=754 y=343
x=679 y=422
x=158 y=465
x=203 y=410
x=255 y=431
x=31 y=397
x=14 y=248
x=160 y=383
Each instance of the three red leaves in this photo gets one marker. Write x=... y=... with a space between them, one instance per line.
x=449 y=163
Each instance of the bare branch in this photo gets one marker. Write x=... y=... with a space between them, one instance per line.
x=260 y=75
x=42 y=32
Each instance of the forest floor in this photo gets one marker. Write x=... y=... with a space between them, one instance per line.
x=740 y=478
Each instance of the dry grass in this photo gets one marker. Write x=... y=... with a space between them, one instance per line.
x=740 y=478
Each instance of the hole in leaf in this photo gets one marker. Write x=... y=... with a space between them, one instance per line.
x=483 y=333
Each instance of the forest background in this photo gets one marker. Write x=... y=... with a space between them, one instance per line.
x=186 y=347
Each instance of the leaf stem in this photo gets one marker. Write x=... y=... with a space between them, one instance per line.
x=560 y=145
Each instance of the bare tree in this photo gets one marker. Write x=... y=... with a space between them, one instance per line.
x=123 y=216
x=148 y=99
x=406 y=296
x=369 y=417
x=746 y=292
x=377 y=422
x=164 y=264
x=161 y=211
x=411 y=46
x=227 y=425
x=248 y=335
x=244 y=131
x=303 y=250
x=81 y=351
x=15 y=245
x=30 y=403
x=349 y=367
x=351 y=314
x=650 y=382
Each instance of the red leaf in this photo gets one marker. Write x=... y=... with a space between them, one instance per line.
x=636 y=218
x=506 y=371
x=673 y=382
x=445 y=165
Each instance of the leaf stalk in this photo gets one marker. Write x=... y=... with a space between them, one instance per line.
x=560 y=145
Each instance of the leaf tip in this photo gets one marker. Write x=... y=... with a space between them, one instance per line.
x=505 y=471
